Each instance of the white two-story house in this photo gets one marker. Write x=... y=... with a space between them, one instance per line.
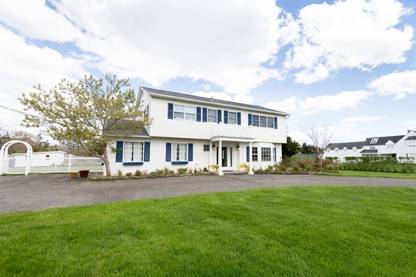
x=198 y=132
x=401 y=147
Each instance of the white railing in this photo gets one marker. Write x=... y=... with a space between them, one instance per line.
x=67 y=164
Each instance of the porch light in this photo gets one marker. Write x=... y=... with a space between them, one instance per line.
x=238 y=146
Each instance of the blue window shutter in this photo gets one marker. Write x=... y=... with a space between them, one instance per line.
x=170 y=111
x=147 y=151
x=248 y=154
x=226 y=117
x=274 y=154
x=168 y=151
x=204 y=114
x=219 y=119
x=239 y=118
x=198 y=114
x=190 y=152
x=119 y=151
x=275 y=122
x=250 y=119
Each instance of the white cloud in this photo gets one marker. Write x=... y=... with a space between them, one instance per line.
x=223 y=42
x=322 y=103
x=348 y=34
x=399 y=84
x=24 y=65
x=33 y=19
x=362 y=119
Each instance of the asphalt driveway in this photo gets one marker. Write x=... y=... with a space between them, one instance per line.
x=34 y=192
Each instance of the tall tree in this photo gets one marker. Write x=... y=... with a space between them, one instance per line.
x=306 y=148
x=87 y=113
x=291 y=148
x=320 y=138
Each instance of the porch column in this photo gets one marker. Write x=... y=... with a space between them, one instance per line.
x=250 y=158
x=220 y=158
x=210 y=156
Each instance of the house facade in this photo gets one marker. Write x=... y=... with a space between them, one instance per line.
x=401 y=147
x=197 y=132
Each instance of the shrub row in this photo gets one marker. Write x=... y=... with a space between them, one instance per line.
x=379 y=166
x=153 y=174
x=296 y=165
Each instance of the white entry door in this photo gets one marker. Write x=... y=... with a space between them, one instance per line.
x=227 y=158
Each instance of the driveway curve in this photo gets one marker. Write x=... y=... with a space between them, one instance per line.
x=35 y=192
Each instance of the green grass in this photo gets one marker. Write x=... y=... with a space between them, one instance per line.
x=356 y=173
x=308 y=231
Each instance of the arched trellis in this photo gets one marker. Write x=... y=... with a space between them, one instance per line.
x=4 y=156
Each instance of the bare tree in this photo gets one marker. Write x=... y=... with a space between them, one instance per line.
x=320 y=138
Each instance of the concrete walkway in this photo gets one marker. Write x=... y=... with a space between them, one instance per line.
x=21 y=193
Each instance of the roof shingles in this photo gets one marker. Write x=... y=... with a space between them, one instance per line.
x=173 y=94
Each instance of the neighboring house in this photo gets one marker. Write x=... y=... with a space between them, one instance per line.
x=49 y=158
x=401 y=147
x=197 y=132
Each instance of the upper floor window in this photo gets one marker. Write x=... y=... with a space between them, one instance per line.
x=263 y=121
x=184 y=112
x=212 y=115
x=179 y=152
x=255 y=120
x=266 y=154
x=270 y=122
x=133 y=151
x=232 y=118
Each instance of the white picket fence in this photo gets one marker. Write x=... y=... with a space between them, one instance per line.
x=68 y=164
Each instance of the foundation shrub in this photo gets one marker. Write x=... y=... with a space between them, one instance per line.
x=182 y=171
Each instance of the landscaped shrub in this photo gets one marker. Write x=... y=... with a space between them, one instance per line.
x=129 y=174
x=137 y=173
x=268 y=170
x=378 y=164
x=119 y=173
x=182 y=171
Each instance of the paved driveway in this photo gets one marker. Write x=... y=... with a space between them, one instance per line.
x=20 y=193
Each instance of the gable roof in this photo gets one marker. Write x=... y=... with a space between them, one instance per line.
x=206 y=100
x=383 y=140
x=348 y=145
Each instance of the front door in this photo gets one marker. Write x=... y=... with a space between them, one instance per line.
x=224 y=161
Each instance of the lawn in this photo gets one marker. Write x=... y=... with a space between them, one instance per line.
x=303 y=231
x=374 y=174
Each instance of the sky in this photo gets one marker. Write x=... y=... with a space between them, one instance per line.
x=346 y=65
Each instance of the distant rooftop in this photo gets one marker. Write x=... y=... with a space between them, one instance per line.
x=368 y=142
x=173 y=94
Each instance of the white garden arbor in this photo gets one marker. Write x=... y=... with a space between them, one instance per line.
x=4 y=156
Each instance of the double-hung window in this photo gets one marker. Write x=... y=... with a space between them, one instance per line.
x=266 y=154
x=180 y=152
x=270 y=122
x=179 y=111
x=184 y=112
x=212 y=115
x=232 y=118
x=132 y=151
x=263 y=121
x=254 y=154
x=255 y=120
x=190 y=113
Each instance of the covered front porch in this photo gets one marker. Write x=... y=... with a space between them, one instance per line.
x=228 y=153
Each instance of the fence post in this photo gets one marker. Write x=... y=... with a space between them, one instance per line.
x=69 y=162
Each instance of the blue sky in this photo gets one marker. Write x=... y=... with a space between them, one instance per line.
x=349 y=65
